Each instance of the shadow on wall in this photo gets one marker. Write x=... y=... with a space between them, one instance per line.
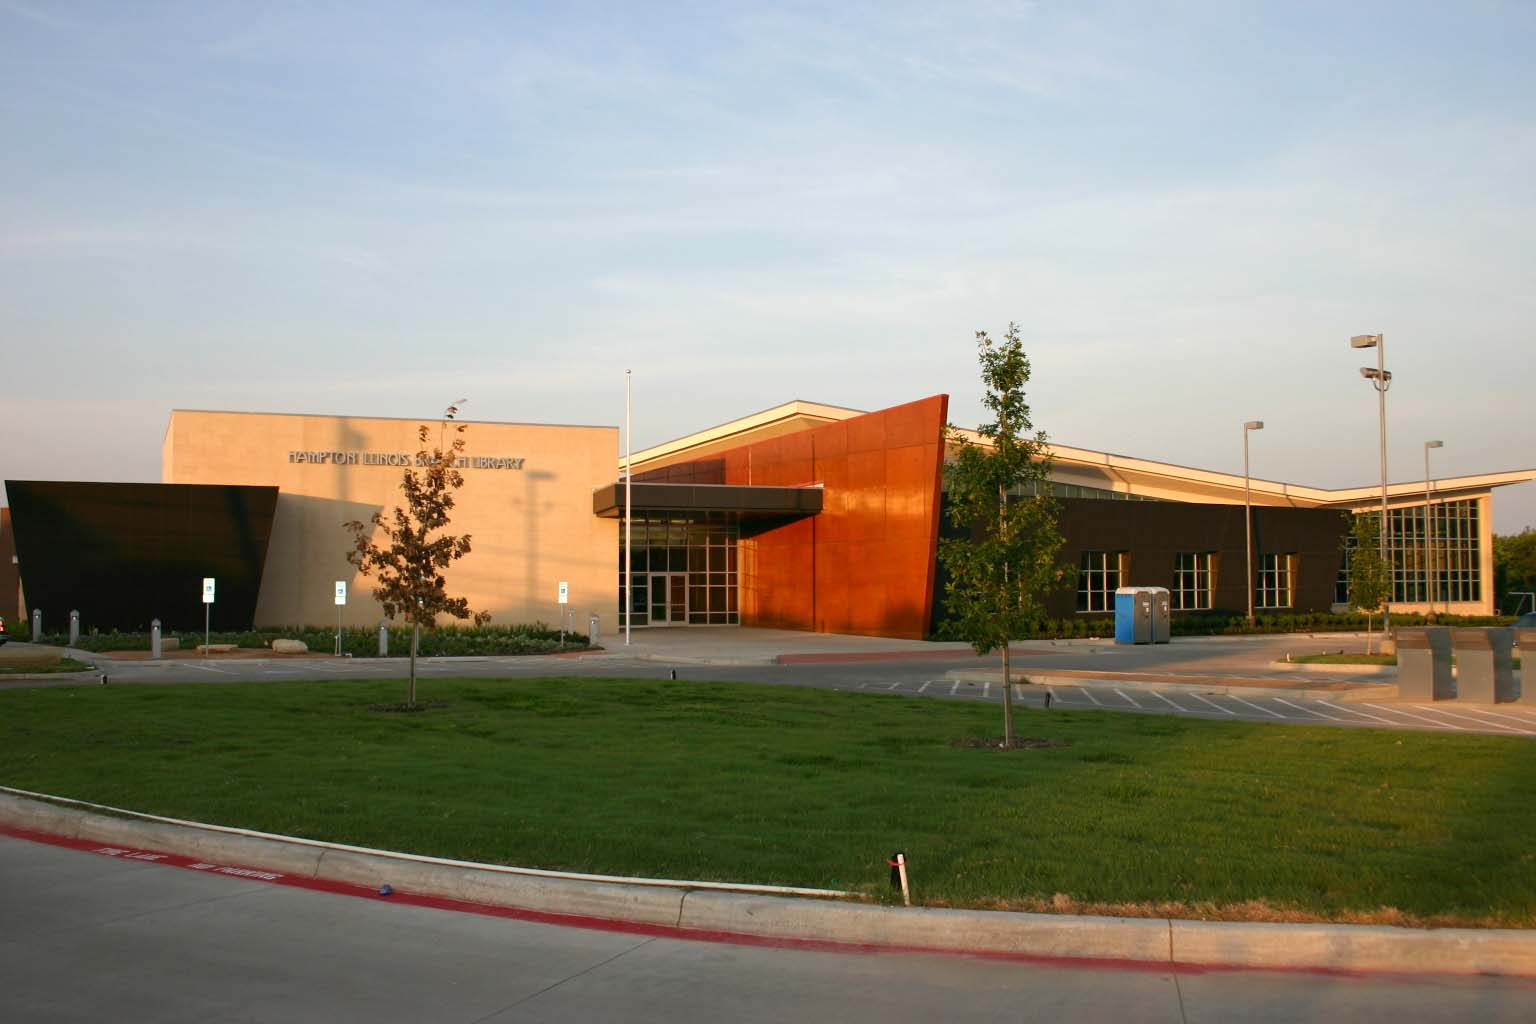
x=306 y=557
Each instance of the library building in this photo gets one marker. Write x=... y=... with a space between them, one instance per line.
x=803 y=516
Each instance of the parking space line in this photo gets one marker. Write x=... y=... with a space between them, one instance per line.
x=1018 y=691
x=1355 y=711
x=1305 y=711
x=1475 y=721
x=1495 y=714
x=924 y=687
x=1089 y=694
x=1255 y=707
x=1170 y=703
x=953 y=687
x=893 y=686
x=986 y=691
x=1213 y=704
x=1405 y=714
x=1127 y=699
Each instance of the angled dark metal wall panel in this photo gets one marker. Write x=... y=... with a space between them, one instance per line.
x=123 y=554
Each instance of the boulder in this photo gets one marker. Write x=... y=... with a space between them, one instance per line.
x=170 y=643
x=289 y=647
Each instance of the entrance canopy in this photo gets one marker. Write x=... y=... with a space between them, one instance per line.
x=748 y=501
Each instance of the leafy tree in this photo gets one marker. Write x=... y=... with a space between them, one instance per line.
x=1514 y=568
x=999 y=492
x=1370 y=577
x=408 y=560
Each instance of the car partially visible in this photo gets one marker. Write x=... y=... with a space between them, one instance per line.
x=4 y=636
x=1526 y=621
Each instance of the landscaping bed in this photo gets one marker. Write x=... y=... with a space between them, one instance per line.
x=448 y=641
x=46 y=665
x=1126 y=814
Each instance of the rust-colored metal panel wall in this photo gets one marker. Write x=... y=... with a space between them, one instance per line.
x=864 y=565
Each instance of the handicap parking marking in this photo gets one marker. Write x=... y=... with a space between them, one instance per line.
x=1465 y=716
x=1421 y=718
x=1128 y=700
x=1255 y=707
x=1213 y=704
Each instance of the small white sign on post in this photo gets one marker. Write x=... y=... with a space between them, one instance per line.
x=207 y=590
x=565 y=592
x=341 y=591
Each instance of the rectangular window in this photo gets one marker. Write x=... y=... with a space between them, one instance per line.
x=1097 y=580
x=1274 y=582
x=1193 y=579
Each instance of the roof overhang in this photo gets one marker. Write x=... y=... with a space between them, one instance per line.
x=748 y=501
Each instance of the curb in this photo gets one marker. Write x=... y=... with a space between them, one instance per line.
x=1365 y=691
x=1323 y=668
x=681 y=910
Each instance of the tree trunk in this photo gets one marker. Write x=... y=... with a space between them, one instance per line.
x=1007 y=702
x=410 y=693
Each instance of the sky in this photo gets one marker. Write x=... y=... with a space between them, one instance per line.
x=376 y=209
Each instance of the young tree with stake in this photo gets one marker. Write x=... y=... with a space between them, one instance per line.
x=1370 y=576
x=999 y=492
x=407 y=559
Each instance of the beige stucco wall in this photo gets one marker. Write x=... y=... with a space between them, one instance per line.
x=531 y=527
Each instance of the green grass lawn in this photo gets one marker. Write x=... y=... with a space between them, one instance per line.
x=1133 y=813
x=45 y=664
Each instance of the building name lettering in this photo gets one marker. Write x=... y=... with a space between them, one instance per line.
x=341 y=458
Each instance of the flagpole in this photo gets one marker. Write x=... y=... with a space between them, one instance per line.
x=628 y=507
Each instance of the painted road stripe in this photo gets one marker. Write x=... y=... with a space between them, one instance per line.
x=1305 y=711
x=1089 y=694
x=953 y=687
x=1170 y=703
x=893 y=686
x=1356 y=711
x=1213 y=704
x=1255 y=707
x=1405 y=714
x=1475 y=721
x=1495 y=714
x=986 y=691
x=1127 y=699
x=1018 y=691
x=924 y=687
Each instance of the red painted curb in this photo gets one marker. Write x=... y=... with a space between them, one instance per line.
x=256 y=874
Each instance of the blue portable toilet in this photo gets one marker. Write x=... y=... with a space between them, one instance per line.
x=1133 y=615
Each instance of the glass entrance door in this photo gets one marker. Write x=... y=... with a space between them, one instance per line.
x=669 y=598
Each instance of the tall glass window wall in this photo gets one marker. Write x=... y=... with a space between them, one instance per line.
x=1451 y=570
x=682 y=569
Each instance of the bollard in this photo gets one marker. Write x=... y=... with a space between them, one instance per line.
x=1424 y=664
x=383 y=638
x=154 y=639
x=1526 y=638
x=594 y=630
x=1483 y=669
x=37 y=625
x=74 y=628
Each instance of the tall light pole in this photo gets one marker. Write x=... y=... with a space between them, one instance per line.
x=1381 y=380
x=1429 y=532
x=629 y=591
x=1248 y=512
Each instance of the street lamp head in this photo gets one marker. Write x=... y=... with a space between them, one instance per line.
x=1434 y=444
x=1365 y=341
x=1254 y=425
x=1371 y=373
